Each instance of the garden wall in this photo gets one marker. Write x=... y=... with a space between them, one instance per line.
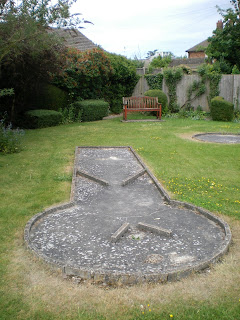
x=229 y=88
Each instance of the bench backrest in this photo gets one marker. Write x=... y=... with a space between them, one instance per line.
x=140 y=102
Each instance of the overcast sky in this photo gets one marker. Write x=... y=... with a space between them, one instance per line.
x=134 y=27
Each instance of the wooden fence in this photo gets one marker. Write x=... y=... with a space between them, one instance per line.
x=229 y=89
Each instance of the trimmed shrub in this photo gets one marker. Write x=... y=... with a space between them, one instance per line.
x=162 y=98
x=41 y=118
x=221 y=110
x=92 y=110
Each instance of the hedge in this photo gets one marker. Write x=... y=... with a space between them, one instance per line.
x=92 y=110
x=41 y=118
x=47 y=96
x=221 y=110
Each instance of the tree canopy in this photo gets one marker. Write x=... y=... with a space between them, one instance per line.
x=28 y=52
x=224 y=45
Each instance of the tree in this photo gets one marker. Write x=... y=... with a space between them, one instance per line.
x=43 y=11
x=224 y=45
x=160 y=62
x=151 y=53
x=28 y=52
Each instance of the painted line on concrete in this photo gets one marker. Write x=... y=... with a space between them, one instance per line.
x=117 y=235
x=154 y=229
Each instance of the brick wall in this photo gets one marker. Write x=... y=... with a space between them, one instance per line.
x=199 y=54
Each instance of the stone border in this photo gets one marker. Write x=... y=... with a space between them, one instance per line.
x=154 y=229
x=212 y=133
x=134 y=177
x=118 y=278
x=120 y=232
x=90 y=177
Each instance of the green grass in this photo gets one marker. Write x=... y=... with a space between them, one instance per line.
x=204 y=174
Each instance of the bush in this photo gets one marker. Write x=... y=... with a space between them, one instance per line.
x=92 y=110
x=95 y=74
x=116 y=105
x=192 y=114
x=160 y=62
x=71 y=114
x=221 y=110
x=123 y=80
x=235 y=70
x=9 y=138
x=162 y=98
x=48 y=96
x=85 y=74
x=41 y=118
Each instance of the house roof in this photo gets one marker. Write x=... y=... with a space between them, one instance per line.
x=74 y=38
x=199 y=46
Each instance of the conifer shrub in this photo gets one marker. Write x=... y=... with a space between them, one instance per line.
x=92 y=110
x=162 y=98
x=221 y=110
x=40 y=118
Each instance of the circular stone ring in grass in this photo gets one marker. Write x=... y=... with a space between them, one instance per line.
x=121 y=227
x=218 y=137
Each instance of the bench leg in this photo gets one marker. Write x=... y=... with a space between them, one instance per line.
x=159 y=113
x=125 y=113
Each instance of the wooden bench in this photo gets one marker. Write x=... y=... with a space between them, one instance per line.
x=145 y=104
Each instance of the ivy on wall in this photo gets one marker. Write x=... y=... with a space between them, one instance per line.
x=172 y=77
x=155 y=81
x=207 y=73
x=198 y=88
x=195 y=90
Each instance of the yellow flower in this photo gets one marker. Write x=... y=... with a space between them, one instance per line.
x=171 y=316
x=150 y=310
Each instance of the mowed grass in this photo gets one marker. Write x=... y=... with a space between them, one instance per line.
x=204 y=174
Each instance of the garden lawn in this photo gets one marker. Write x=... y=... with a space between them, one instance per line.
x=204 y=174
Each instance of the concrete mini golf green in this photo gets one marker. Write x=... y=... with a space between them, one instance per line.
x=121 y=227
x=218 y=137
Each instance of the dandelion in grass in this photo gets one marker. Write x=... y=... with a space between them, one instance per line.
x=171 y=315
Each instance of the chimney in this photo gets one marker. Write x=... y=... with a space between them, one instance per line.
x=220 y=24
